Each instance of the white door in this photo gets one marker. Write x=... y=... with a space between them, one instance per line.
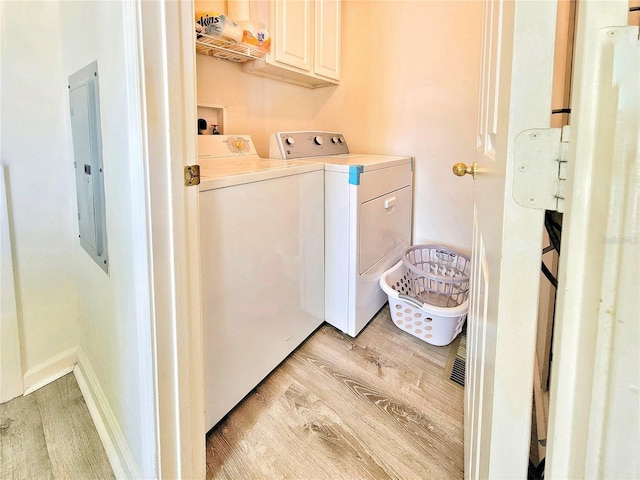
x=515 y=95
x=589 y=380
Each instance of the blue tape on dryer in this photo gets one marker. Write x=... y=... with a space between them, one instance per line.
x=354 y=174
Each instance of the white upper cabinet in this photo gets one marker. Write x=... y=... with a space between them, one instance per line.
x=293 y=33
x=327 y=38
x=305 y=42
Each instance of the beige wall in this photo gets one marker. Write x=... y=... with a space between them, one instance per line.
x=115 y=327
x=409 y=86
x=410 y=81
x=41 y=203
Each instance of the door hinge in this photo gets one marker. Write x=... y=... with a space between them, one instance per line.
x=192 y=175
x=539 y=177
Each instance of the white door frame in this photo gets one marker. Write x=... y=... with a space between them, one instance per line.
x=168 y=111
x=11 y=374
x=583 y=353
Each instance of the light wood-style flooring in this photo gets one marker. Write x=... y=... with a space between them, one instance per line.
x=374 y=407
x=49 y=434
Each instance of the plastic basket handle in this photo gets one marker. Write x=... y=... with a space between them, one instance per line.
x=409 y=299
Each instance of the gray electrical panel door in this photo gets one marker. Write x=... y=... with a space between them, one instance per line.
x=84 y=103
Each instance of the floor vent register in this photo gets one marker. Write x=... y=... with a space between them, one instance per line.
x=458 y=365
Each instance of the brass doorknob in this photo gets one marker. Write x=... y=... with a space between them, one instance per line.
x=460 y=169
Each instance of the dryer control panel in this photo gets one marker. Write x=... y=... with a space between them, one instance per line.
x=292 y=145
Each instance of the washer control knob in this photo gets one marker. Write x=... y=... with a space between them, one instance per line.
x=318 y=140
x=290 y=140
x=334 y=139
x=340 y=140
x=238 y=144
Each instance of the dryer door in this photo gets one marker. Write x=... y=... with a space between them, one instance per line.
x=385 y=222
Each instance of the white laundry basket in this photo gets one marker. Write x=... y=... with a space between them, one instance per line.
x=435 y=325
x=439 y=275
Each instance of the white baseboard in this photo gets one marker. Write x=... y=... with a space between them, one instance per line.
x=113 y=440
x=46 y=372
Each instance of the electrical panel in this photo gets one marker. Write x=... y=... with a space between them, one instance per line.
x=84 y=104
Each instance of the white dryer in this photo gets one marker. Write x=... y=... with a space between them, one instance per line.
x=368 y=218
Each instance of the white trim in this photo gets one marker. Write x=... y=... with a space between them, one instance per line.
x=114 y=442
x=145 y=367
x=575 y=369
x=170 y=135
x=11 y=382
x=50 y=370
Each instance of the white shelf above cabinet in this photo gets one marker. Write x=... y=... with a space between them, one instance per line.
x=223 y=49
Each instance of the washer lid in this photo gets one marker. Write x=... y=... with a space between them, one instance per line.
x=227 y=160
x=226 y=172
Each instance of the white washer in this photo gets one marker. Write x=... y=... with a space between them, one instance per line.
x=368 y=212
x=261 y=231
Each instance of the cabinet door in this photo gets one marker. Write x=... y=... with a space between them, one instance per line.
x=327 y=38
x=293 y=31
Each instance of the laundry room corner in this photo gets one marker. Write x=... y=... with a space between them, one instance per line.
x=39 y=241
x=418 y=98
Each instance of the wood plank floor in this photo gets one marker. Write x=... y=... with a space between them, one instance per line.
x=377 y=406
x=49 y=434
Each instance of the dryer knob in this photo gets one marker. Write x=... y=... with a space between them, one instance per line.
x=318 y=140
x=340 y=140
x=334 y=139
x=290 y=140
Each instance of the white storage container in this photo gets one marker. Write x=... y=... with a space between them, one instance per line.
x=435 y=325
x=439 y=275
